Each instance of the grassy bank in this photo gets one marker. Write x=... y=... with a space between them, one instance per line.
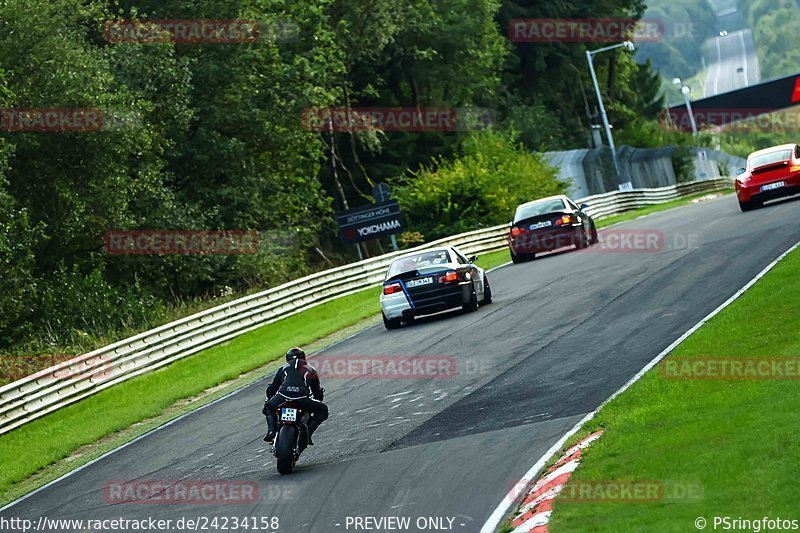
x=734 y=438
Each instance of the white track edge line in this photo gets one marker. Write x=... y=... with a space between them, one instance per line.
x=500 y=512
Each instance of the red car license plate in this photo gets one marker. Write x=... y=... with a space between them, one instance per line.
x=773 y=186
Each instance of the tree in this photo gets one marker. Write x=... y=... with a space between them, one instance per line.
x=480 y=187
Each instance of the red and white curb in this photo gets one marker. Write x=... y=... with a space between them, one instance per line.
x=501 y=511
x=534 y=512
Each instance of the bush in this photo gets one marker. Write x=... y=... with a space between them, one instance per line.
x=480 y=187
x=75 y=305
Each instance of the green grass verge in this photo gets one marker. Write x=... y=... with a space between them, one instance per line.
x=737 y=439
x=52 y=445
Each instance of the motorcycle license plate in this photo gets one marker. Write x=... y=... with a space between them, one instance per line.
x=288 y=414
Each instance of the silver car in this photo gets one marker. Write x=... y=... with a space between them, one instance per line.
x=431 y=281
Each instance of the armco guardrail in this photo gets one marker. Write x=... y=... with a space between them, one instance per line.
x=46 y=391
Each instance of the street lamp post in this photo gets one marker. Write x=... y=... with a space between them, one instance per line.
x=589 y=58
x=685 y=90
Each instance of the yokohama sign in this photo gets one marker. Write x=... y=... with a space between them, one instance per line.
x=371 y=222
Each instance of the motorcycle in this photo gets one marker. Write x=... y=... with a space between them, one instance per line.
x=292 y=436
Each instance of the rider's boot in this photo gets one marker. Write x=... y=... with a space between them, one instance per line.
x=313 y=424
x=271 y=423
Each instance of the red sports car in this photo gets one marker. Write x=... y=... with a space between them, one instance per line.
x=770 y=173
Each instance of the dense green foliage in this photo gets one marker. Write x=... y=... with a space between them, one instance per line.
x=687 y=24
x=479 y=188
x=208 y=136
x=747 y=136
x=547 y=89
x=774 y=24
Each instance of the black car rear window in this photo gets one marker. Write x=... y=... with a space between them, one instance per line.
x=772 y=157
x=539 y=208
x=432 y=260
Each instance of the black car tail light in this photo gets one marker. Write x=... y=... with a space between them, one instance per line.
x=450 y=277
x=566 y=219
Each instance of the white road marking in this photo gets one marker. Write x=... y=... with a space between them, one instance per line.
x=500 y=512
x=719 y=60
x=744 y=55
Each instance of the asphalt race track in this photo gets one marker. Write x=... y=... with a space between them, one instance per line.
x=726 y=55
x=564 y=332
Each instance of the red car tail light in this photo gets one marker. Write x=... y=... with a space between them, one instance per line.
x=566 y=219
x=450 y=277
x=393 y=288
x=516 y=232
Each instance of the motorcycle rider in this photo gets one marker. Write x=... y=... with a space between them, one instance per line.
x=296 y=381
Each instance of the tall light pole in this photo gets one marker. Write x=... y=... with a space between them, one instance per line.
x=685 y=90
x=589 y=58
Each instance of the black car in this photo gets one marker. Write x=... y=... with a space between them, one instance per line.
x=548 y=224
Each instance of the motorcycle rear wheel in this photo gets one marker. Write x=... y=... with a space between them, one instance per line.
x=284 y=450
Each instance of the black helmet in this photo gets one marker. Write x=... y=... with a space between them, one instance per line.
x=295 y=353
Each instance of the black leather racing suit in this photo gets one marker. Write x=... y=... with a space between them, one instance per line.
x=297 y=381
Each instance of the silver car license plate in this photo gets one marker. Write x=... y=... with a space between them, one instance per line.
x=288 y=414
x=418 y=282
x=772 y=186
